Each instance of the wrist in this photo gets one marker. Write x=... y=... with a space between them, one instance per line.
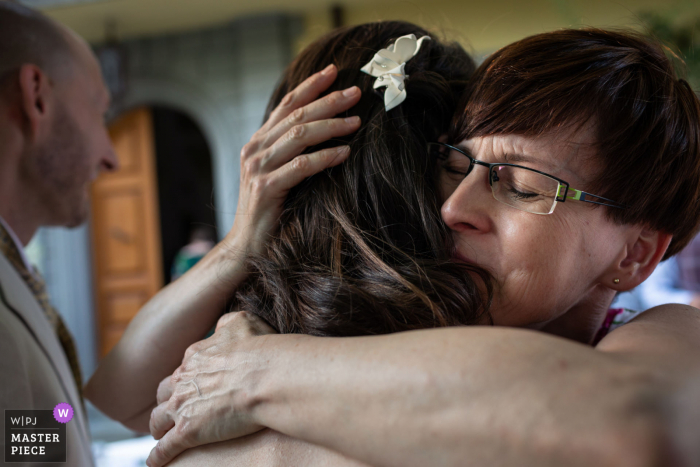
x=280 y=377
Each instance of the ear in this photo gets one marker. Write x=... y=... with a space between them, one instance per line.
x=35 y=99
x=637 y=261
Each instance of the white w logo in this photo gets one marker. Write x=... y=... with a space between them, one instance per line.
x=63 y=413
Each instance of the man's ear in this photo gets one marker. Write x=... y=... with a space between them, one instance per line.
x=639 y=258
x=35 y=91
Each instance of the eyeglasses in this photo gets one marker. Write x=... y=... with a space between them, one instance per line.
x=521 y=187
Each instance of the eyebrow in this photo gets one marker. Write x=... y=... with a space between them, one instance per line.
x=515 y=158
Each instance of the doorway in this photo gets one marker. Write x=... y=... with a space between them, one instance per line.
x=185 y=183
x=144 y=213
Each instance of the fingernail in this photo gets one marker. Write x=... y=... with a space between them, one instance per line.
x=351 y=91
x=328 y=69
x=342 y=150
x=353 y=120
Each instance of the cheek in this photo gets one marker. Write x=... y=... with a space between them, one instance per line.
x=541 y=263
x=533 y=243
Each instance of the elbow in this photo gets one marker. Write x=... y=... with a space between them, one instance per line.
x=649 y=435
x=140 y=423
x=640 y=446
x=99 y=397
x=105 y=403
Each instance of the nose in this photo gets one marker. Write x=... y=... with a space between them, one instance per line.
x=468 y=208
x=109 y=162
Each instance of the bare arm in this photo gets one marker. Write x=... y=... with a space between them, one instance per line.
x=458 y=396
x=124 y=386
x=263 y=449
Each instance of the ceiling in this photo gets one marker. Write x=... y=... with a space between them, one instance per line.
x=485 y=24
x=54 y=3
x=133 y=18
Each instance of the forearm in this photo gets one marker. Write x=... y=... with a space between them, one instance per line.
x=462 y=396
x=152 y=347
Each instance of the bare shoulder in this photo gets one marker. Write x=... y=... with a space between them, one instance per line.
x=265 y=448
x=662 y=330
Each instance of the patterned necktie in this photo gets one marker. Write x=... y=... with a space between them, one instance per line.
x=36 y=284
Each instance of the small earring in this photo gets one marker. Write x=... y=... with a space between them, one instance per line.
x=617 y=281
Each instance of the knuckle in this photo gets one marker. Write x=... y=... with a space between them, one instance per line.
x=297 y=132
x=300 y=163
x=177 y=401
x=297 y=116
x=249 y=149
x=287 y=100
x=333 y=98
x=177 y=375
x=191 y=350
x=224 y=320
x=252 y=166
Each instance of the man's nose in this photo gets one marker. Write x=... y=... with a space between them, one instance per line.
x=110 y=162
x=468 y=208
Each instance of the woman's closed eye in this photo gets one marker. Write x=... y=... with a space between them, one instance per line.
x=455 y=169
x=522 y=195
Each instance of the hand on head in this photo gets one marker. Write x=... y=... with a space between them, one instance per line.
x=271 y=163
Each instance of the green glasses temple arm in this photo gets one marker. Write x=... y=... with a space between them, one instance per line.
x=578 y=195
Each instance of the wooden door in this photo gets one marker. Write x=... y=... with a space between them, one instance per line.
x=126 y=229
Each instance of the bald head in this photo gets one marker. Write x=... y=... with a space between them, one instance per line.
x=29 y=37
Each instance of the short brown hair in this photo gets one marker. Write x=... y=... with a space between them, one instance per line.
x=647 y=120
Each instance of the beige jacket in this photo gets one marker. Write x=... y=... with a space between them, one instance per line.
x=34 y=371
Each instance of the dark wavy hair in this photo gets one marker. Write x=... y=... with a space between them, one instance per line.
x=362 y=248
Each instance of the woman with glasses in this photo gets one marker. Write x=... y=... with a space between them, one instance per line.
x=570 y=171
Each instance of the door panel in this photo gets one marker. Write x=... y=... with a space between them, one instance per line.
x=125 y=229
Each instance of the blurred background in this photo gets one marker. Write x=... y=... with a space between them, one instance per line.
x=190 y=81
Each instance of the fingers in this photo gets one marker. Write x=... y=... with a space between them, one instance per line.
x=303 y=94
x=169 y=447
x=330 y=106
x=161 y=421
x=301 y=137
x=306 y=165
x=165 y=390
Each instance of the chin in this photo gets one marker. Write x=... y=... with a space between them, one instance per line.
x=79 y=218
x=76 y=214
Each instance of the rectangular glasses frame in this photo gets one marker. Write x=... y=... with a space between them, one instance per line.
x=562 y=191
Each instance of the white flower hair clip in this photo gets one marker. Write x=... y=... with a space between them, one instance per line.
x=388 y=65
